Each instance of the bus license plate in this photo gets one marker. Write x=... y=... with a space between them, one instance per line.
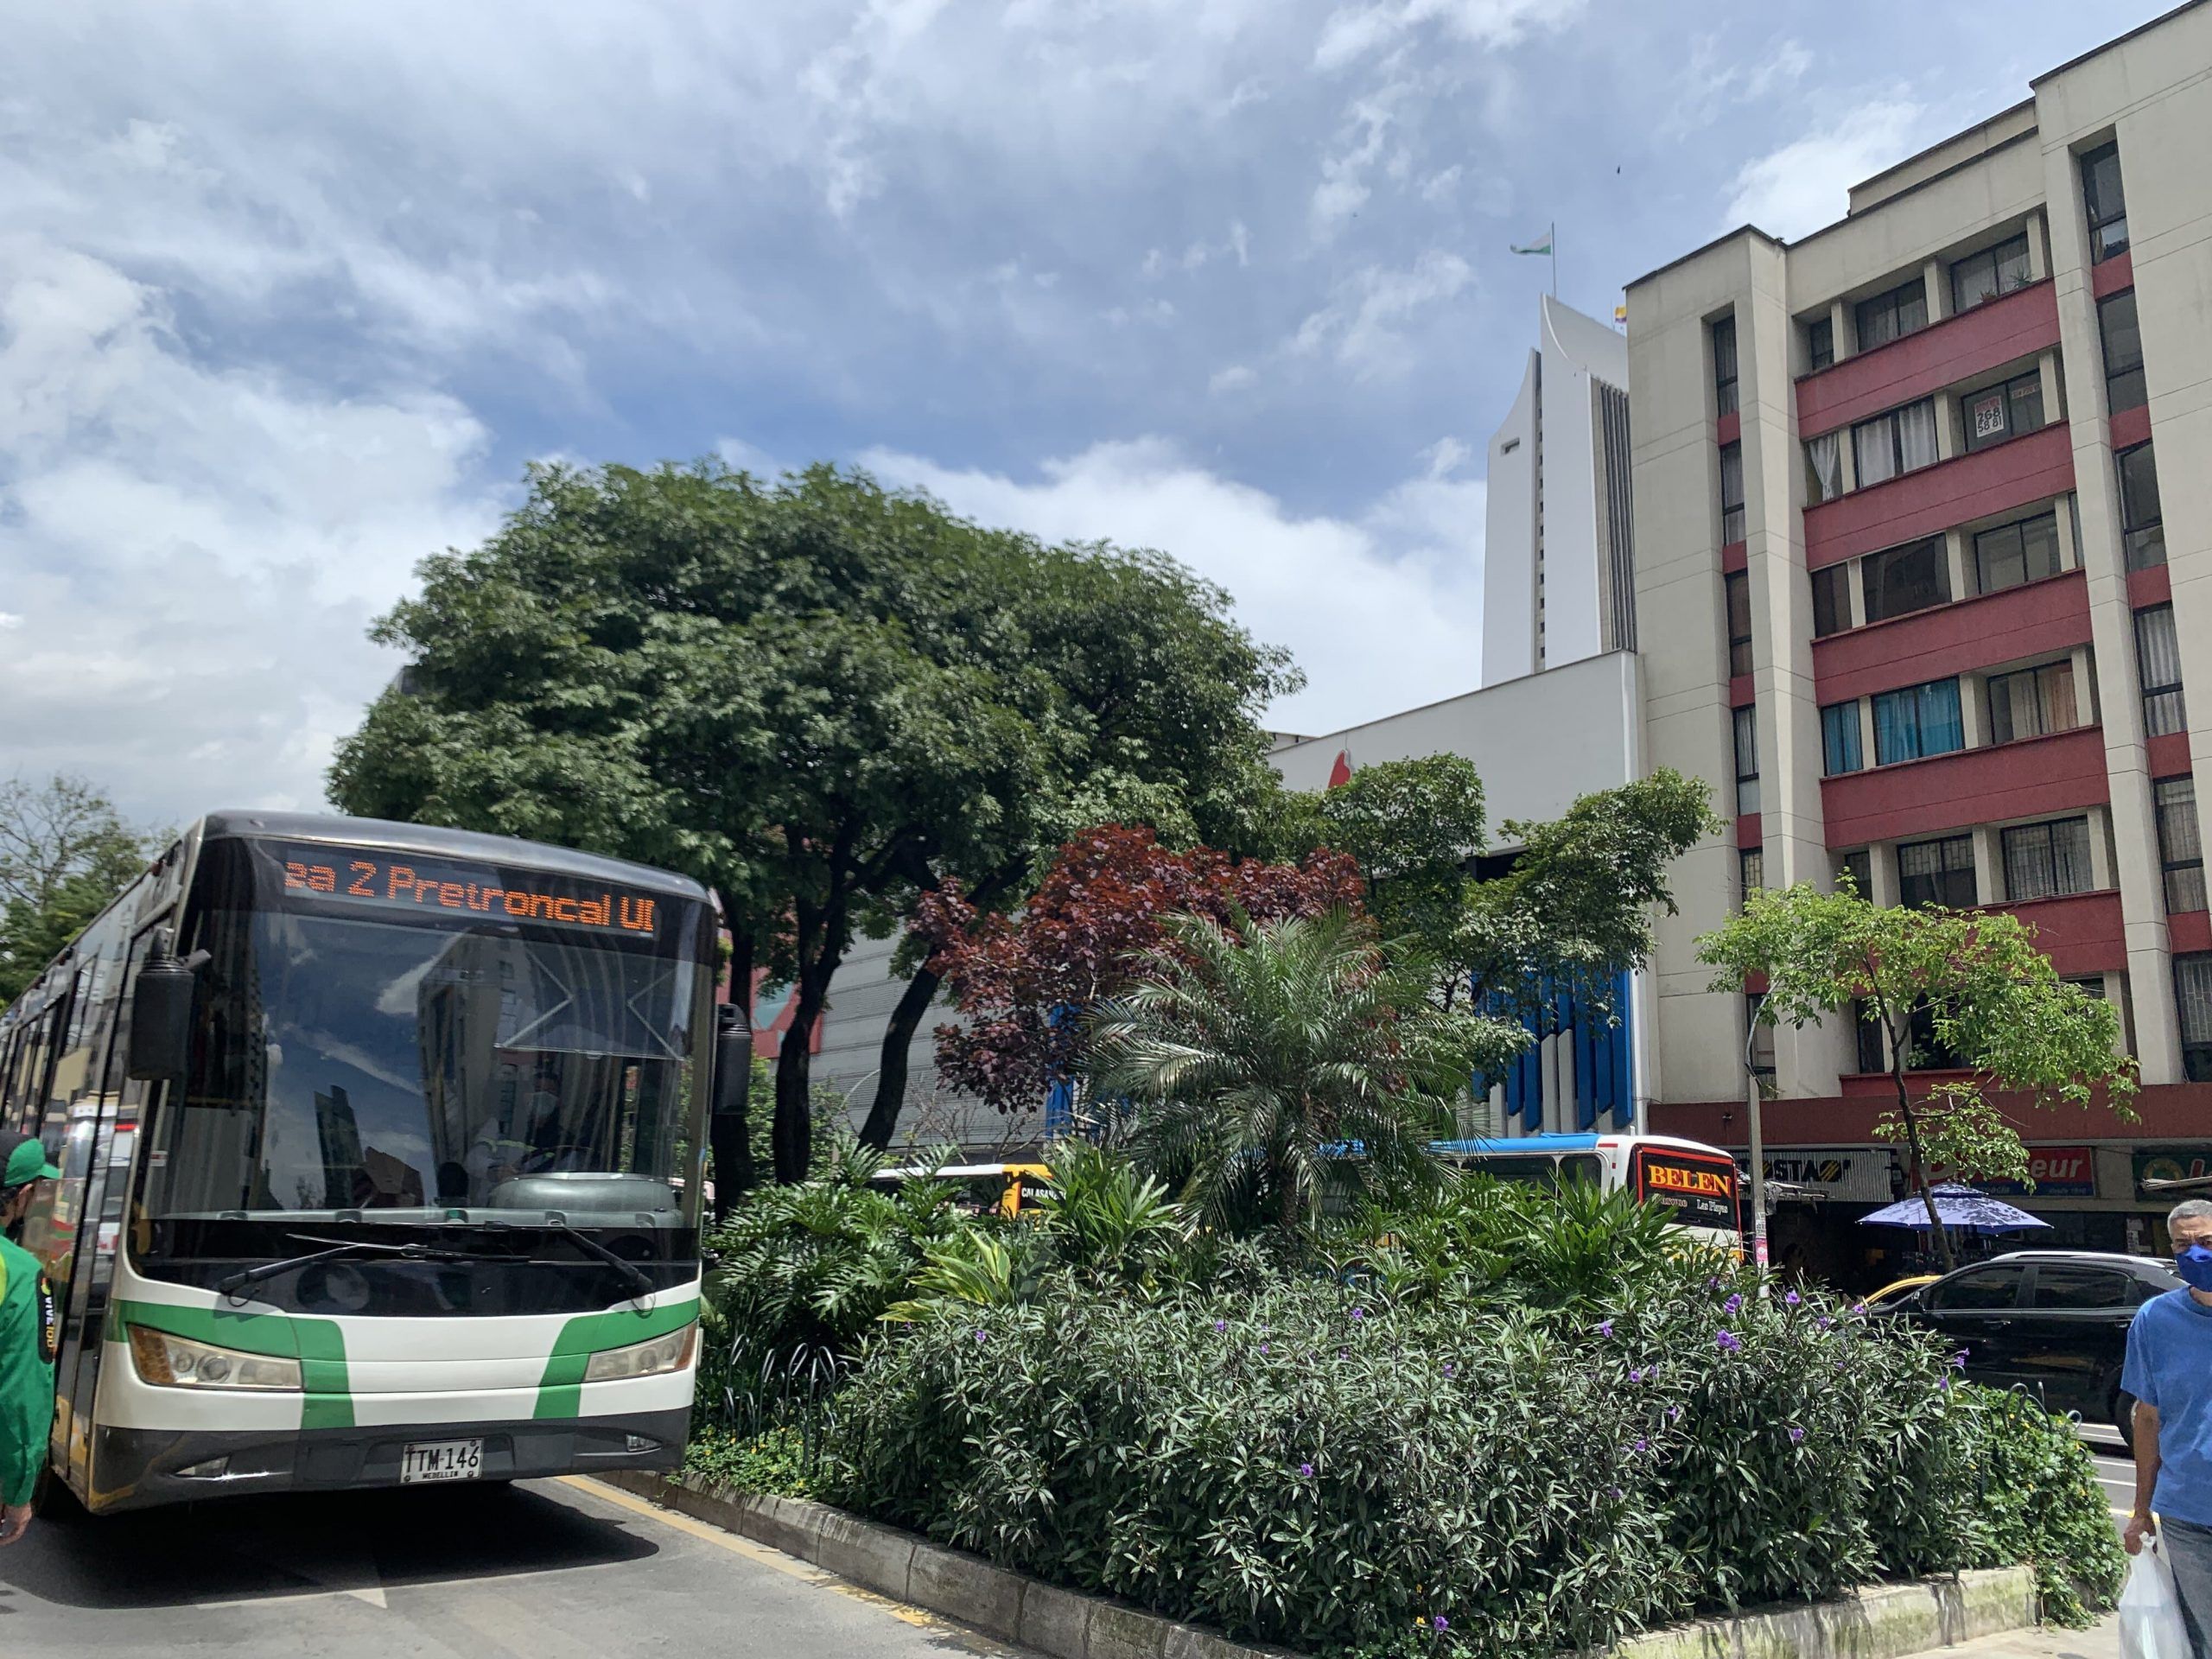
x=442 y=1460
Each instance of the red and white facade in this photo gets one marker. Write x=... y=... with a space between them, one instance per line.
x=1923 y=582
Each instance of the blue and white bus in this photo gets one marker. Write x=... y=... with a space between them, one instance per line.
x=1697 y=1183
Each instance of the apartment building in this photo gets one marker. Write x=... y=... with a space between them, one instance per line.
x=1923 y=522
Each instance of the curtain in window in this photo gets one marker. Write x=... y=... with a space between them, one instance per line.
x=1874 y=448
x=2028 y=873
x=1897 y=732
x=1840 y=737
x=1824 y=466
x=1941 y=728
x=2157 y=662
x=2193 y=995
x=1916 y=435
x=2055 y=687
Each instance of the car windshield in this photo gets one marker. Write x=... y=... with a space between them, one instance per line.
x=416 y=1061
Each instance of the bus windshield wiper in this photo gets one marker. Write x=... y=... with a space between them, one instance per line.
x=335 y=1247
x=640 y=1283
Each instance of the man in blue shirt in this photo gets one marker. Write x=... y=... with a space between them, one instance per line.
x=2169 y=1372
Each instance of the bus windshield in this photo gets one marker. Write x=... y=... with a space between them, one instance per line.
x=511 y=1046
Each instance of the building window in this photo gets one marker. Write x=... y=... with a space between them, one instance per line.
x=1902 y=311
x=1731 y=494
x=1724 y=366
x=1984 y=276
x=1839 y=738
x=2107 y=203
x=1737 y=587
x=2009 y=555
x=1747 y=762
x=2193 y=1002
x=2140 y=517
x=1820 y=342
x=2048 y=860
x=2181 y=850
x=1867 y=1032
x=1751 y=872
x=1936 y=872
x=2034 y=702
x=1824 y=468
x=2123 y=343
x=1831 y=599
x=1905 y=579
x=1917 y=722
x=2007 y=410
x=2158 y=670
x=1930 y=1053
x=1902 y=441
x=1859 y=866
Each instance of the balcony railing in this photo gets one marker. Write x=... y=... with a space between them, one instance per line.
x=1941 y=355
x=1928 y=502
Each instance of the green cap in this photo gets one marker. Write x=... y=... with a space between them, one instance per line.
x=22 y=1160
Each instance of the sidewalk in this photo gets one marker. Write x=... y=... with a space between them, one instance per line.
x=2102 y=1641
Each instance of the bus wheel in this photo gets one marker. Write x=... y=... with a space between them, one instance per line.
x=53 y=1502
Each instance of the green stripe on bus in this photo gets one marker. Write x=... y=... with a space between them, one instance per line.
x=560 y=1393
x=318 y=1344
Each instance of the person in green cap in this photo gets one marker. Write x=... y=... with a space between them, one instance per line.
x=29 y=1329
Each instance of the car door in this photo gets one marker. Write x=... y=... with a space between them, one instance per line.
x=2073 y=1335
x=1978 y=1309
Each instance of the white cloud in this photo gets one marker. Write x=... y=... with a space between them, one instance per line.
x=1446 y=456
x=1235 y=377
x=9 y=619
x=1352 y=33
x=1441 y=185
x=1807 y=184
x=1709 y=85
x=1369 y=314
x=1382 y=612
x=194 y=553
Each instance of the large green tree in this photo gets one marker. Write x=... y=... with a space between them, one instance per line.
x=65 y=852
x=820 y=697
x=1968 y=988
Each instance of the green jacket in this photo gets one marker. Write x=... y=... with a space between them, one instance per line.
x=30 y=1330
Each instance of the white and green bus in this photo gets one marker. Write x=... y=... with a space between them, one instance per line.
x=379 y=1151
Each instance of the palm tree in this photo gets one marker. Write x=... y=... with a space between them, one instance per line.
x=1257 y=1057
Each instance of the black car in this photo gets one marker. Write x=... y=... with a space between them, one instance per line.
x=2053 y=1323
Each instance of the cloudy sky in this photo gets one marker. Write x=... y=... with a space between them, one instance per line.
x=289 y=294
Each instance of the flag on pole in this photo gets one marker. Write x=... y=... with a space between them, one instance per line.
x=1620 y=316
x=1541 y=244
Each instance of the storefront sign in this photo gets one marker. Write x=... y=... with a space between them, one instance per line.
x=2170 y=1164
x=1849 y=1174
x=2058 y=1171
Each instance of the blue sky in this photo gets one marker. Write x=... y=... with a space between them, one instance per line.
x=289 y=294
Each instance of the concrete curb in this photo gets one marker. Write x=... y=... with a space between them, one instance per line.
x=1882 y=1622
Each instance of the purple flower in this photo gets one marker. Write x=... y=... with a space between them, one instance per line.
x=1604 y=1327
x=1728 y=1342
x=1642 y=1445
x=1959 y=1360
x=1344 y=1353
x=1943 y=1382
x=1306 y=1470
x=1674 y=1413
x=1221 y=1325
x=1263 y=1347
x=1733 y=1303
x=1712 y=1284
x=981 y=1335
x=1450 y=1369
x=1796 y=1434
x=1636 y=1374
x=1793 y=1299
x=1826 y=1322
x=1859 y=1307
x=1613 y=1493
x=1360 y=1312
x=1440 y=1623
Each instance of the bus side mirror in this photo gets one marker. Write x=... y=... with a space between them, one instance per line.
x=161 y=1018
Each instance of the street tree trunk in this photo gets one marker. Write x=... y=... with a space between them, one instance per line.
x=1900 y=1052
x=897 y=1042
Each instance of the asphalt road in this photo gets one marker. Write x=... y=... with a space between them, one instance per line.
x=543 y=1570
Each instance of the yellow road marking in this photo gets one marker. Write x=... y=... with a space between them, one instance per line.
x=789 y=1565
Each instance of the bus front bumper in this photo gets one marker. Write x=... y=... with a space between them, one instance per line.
x=136 y=1468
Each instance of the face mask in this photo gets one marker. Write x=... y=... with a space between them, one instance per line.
x=2195 y=1266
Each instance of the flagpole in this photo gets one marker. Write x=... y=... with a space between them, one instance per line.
x=1553 y=240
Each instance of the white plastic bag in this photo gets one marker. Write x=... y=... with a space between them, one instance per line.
x=2150 y=1609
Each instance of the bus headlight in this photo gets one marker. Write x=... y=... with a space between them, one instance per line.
x=651 y=1358
x=180 y=1362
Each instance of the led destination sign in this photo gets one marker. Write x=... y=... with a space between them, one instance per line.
x=387 y=882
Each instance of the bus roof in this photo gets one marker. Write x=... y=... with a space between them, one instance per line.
x=429 y=839
x=1525 y=1145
